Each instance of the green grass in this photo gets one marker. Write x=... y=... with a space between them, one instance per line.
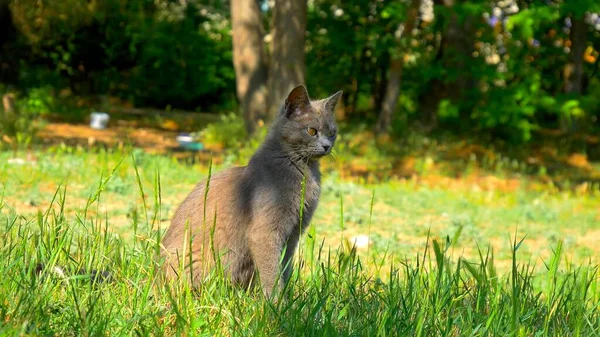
x=442 y=262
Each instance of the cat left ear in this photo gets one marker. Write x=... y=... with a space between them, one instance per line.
x=297 y=101
x=331 y=101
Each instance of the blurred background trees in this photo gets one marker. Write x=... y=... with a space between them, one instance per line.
x=250 y=60
x=499 y=68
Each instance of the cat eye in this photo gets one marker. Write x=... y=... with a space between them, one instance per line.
x=312 y=131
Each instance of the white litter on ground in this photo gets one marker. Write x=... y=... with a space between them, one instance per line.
x=361 y=241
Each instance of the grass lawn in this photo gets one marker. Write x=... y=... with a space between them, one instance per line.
x=446 y=257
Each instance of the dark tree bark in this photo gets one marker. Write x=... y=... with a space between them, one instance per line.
x=574 y=76
x=249 y=61
x=380 y=83
x=392 y=91
x=390 y=98
x=8 y=116
x=287 y=53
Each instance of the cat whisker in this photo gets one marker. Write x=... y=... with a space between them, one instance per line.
x=333 y=157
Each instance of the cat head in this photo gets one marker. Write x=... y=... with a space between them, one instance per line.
x=308 y=128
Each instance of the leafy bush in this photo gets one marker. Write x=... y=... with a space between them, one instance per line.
x=128 y=49
x=189 y=71
x=229 y=131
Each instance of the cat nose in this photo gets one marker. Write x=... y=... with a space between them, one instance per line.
x=326 y=147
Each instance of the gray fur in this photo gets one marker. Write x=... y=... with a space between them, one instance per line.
x=256 y=207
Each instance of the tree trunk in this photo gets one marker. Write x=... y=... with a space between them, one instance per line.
x=8 y=118
x=392 y=91
x=249 y=61
x=573 y=72
x=379 y=88
x=8 y=103
x=390 y=99
x=287 y=53
x=353 y=96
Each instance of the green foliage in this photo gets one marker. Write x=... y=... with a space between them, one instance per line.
x=465 y=67
x=126 y=48
x=350 y=42
x=189 y=70
x=37 y=102
x=528 y=21
x=504 y=77
x=229 y=131
x=447 y=110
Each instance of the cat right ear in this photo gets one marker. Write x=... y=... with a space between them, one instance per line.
x=332 y=101
x=296 y=102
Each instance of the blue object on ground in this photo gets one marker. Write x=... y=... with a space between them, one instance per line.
x=187 y=142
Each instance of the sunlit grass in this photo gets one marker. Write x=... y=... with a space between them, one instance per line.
x=424 y=274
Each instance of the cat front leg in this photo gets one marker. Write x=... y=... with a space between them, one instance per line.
x=266 y=246
x=288 y=258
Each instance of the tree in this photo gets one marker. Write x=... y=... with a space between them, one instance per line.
x=287 y=53
x=392 y=91
x=286 y=67
x=249 y=61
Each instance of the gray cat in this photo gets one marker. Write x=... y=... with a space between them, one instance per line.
x=250 y=217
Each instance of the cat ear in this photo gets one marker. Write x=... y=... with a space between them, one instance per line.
x=297 y=101
x=331 y=101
